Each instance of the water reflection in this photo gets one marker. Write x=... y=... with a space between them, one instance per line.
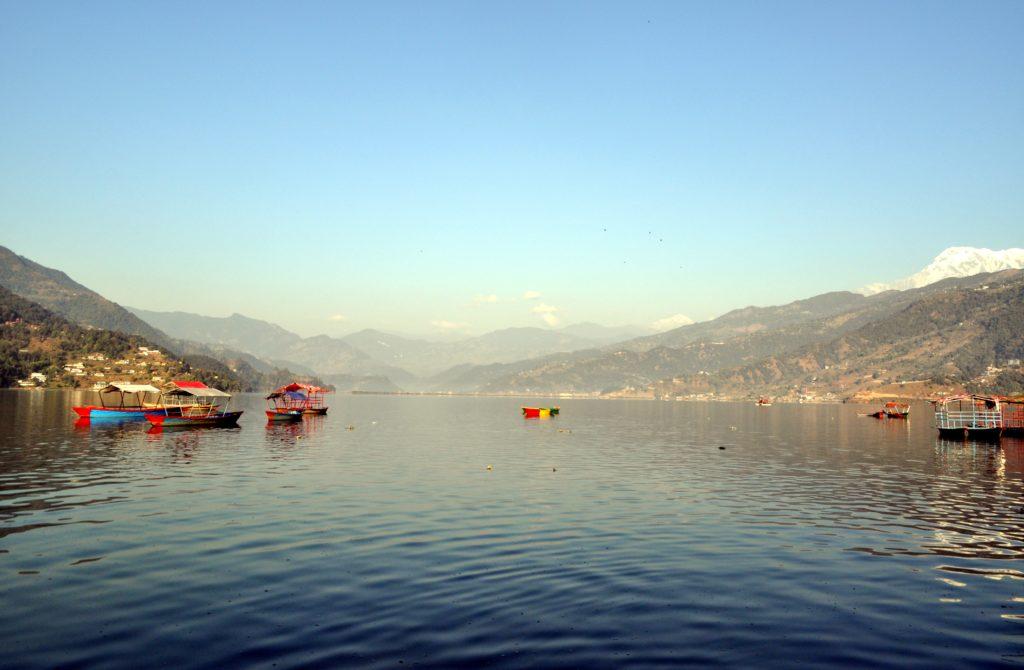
x=617 y=533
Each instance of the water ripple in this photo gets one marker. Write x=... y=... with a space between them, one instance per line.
x=617 y=534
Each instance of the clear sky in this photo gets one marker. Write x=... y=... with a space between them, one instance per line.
x=420 y=165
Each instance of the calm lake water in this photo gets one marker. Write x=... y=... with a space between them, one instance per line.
x=617 y=534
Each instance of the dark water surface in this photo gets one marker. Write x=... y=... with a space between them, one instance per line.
x=616 y=534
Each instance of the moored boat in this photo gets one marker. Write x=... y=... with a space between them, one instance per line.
x=285 y=405
x=896 y=410
x=222 y=419
x=201 y=405
x=539 y=412
x=763 y=402
x=298 y=395
x=284 y=414
x=130 y=405
x=974 y=416
x=1013 y=415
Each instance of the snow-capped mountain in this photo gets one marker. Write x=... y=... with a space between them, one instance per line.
x=954 y=262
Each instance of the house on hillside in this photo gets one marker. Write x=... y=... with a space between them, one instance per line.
x=34 y=379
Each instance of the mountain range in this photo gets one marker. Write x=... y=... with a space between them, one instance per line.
x=59 y=293
x=955 y=262
x=406 y=361
x=836 y=343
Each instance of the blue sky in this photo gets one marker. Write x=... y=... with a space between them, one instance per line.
x=399 y=163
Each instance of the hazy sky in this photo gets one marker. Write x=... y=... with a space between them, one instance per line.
x=418 y=166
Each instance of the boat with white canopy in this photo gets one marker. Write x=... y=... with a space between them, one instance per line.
x=122 y=401
x=199 y=405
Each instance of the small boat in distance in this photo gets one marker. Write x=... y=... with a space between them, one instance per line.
x=897 y=410
x=892 y=410
x=763 y=402
x=200 y=406
x=539 y=412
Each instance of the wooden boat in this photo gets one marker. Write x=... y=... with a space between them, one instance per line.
x=285 y=405
x=538 y=412
x=284 y=414
x=222 y=419
x=301 y=396
x=200 y=405
x=891 y=410
x=896 y=410
x=124 y=409
x=763 y=402
x=975 y=416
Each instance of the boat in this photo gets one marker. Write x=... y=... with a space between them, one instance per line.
x=131 y=403
x=1013 y=415
x=539 y=412
x=891 y=410
x=284 y=414
x=200 y=405
x=285 y=405
x=896 y=410
x=298 y=395
x=969 y=415
x=763 y=402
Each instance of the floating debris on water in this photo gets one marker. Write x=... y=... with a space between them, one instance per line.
x=490 y=467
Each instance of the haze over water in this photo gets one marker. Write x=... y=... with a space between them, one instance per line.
x=616 y=534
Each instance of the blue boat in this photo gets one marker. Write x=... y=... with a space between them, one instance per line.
x=123 y=409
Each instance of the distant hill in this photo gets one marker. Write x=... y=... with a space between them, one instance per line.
x=599 y=335
x=237 y=332
x=35 y=340
x=57 y=292
x=960 y=337
x=425 y=359
x=405 y=361
x=751 y=320
x=737 y=338
x=366 y=383
x=60 y=295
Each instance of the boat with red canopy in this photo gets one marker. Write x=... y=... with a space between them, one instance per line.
x=285 y=405
x=299 y=395
x=892 y=410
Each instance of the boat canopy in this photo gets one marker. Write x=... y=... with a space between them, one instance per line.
x=197 y=389
x=292 y=395
x=124 y=387
x=989 y=401
x=299 y=386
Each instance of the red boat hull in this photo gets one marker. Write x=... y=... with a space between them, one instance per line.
x=284 y=415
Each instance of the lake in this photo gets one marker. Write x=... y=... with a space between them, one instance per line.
x=620 y=533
